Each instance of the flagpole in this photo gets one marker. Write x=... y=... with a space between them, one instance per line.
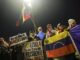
x=35 y=26
x=32 y=18
x=77 y=51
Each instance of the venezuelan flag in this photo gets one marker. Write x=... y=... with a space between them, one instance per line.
x=59 y=45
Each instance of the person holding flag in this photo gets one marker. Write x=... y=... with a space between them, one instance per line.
x=60 y=46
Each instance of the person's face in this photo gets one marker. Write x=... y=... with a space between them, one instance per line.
x=72 y=24
x=60 y=28
x=49 y=28
x=39 y=30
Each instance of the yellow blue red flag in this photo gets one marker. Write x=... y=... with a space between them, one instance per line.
x=59 y=45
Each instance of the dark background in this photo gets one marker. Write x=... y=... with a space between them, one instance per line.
x=44 y=12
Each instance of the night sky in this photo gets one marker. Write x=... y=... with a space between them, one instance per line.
x=44 y=12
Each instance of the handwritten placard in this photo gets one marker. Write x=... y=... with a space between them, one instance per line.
x=34 y=48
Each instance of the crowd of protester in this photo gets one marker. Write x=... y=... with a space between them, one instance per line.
x=73 y=29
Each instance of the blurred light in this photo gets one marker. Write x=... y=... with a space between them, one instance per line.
x=30 y=5
x=28 y=2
